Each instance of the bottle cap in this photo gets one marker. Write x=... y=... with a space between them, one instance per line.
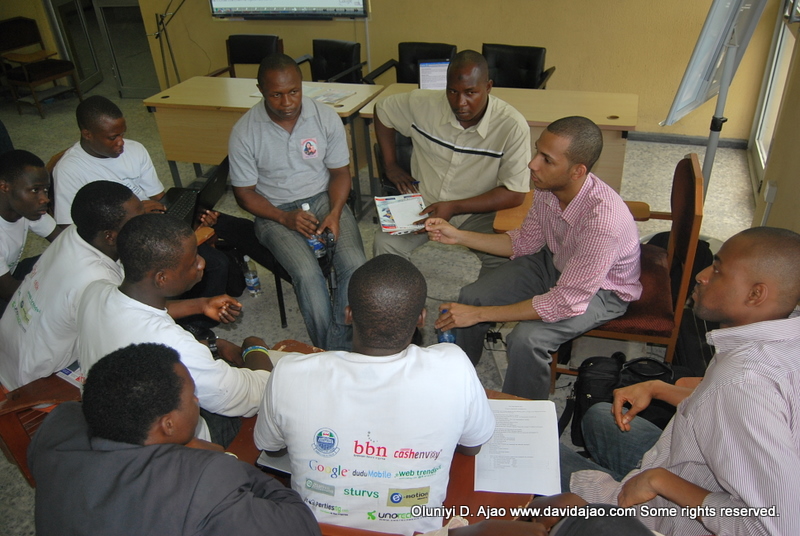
x=305 y=206
x=246 y=258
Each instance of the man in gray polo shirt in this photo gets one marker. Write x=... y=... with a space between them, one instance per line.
x=286 y=151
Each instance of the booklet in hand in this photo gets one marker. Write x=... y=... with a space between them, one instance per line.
x=399 y=212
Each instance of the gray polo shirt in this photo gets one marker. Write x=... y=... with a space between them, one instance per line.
x=286 y=167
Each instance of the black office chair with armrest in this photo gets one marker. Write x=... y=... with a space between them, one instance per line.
x=410 y=54
x=517 y=66
x=334 y=60
x=248 y=49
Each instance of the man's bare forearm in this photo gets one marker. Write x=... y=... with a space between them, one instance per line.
x=495 y=244
x=339 y=189
x=495 y=199
x=671 y=394
x=257 y=205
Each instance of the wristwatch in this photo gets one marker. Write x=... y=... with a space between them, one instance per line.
x=212 y=345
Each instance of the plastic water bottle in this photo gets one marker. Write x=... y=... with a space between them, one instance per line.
x=445 y=335
x=316 y=245
x=251 y=277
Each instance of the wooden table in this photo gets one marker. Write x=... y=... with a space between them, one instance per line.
x=195 y=117
x=614 y=113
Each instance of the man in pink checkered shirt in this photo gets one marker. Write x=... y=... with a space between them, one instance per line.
x=574 y=261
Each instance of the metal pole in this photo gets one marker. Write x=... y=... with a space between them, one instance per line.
x=718 y=120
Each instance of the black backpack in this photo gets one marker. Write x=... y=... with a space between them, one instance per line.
x=599 y=376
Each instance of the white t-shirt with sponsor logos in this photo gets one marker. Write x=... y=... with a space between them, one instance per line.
x=371 y=439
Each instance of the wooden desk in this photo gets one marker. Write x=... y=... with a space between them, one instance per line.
x=195 y=117
x=614 y=113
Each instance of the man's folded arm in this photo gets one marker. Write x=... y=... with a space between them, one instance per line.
x=252 y=503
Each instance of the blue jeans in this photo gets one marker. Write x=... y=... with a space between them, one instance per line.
x=324 y=320
x=621 y=452
x=616 y=452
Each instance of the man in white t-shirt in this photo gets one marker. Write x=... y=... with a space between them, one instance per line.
x=159 y=254
x=40 y=328
x=103 y=153
x=24 y=185
x=371 y=433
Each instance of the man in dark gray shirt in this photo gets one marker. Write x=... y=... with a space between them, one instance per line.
x=126 y=461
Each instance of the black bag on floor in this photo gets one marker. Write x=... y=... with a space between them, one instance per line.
x=645 y=369
x=599 y=376
x=236 y=269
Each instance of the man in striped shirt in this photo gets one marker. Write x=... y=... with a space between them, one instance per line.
x=575 y=261
x=469 y=156
x=729 y=461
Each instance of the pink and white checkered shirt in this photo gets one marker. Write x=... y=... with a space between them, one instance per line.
x=595 y=246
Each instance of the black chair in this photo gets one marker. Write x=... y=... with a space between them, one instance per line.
x=248 y=49
x=35 y=67
x=5 y=140
x=239 y=233
x=410 y=54
x=335 y=61
x=516 y=66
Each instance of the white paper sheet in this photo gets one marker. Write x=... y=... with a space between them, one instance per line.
x=522 y=455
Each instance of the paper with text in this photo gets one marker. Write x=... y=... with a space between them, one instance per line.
x=523 y=454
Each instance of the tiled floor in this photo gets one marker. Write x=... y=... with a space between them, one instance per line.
x=647 y=177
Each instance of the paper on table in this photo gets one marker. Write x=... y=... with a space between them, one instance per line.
x=522 y=455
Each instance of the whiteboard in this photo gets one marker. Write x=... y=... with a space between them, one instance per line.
x=726 y=20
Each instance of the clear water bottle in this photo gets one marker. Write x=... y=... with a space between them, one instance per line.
x=251 y=277
x=445 y=335
x=316 y=245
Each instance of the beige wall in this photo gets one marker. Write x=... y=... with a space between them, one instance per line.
x=783 y=166
x=626 y=46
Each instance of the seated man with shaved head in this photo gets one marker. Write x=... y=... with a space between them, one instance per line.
x=470 y=153
x=732 y=451
x=371 y=433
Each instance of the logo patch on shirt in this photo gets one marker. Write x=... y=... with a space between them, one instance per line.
x=408 y=497
x=319 y=487
x=325 y=441
x=309 y=147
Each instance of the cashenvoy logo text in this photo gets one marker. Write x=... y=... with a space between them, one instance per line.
x=417 y=454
